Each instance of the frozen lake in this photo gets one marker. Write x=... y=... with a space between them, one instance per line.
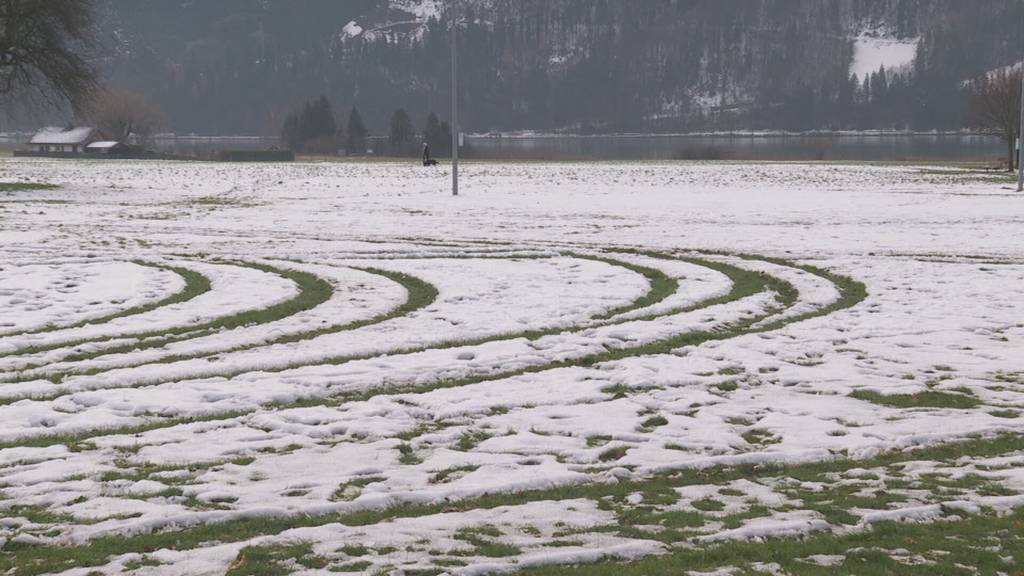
x=862 y=148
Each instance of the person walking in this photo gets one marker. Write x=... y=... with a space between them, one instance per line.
x=426 y=155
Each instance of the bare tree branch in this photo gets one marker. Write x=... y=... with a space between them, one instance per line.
x=44 y=45
x=995 y=107
x=120 y=114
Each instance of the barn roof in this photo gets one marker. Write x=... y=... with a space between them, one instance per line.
x=56 y=135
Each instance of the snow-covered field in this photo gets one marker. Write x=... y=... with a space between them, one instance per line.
x=335 y=367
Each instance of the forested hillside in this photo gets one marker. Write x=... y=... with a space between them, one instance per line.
x=239 y=66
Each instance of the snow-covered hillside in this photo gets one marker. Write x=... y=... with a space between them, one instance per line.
x=578 y=65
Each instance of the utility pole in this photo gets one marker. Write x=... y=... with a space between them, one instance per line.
x=1020 y=135
x=454 y=17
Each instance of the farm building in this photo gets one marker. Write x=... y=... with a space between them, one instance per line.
x=71 y=140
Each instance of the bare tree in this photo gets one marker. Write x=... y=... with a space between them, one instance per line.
x=43 y=50
x=121 y=114
x=995 y=107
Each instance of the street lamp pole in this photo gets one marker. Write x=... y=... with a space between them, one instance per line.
x=455 y=97
x=1020 y=136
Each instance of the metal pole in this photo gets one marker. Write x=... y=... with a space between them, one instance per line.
x=1020 y=135
x=455 y=98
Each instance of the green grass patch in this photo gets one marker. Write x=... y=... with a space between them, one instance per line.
x=708 y=505
x=445 y=476
x=470 y=439
x=661 y=287
x=613 y=454
x=926 y=399
x=20 y=560
x=353 y=488
x=275 y=560
x=483 y=540
x=407 y=456
x=420 y=295
x=759 y=437
x=983 y=543
x=25 y=186
x=313 y=291
x=654 y=422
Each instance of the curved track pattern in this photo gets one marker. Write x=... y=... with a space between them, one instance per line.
x=323 y=368
x=385 y=389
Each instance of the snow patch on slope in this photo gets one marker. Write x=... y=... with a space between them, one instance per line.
x=871 y=52
x=351 y=30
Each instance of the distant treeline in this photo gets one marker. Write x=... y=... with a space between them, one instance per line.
x=315 y=130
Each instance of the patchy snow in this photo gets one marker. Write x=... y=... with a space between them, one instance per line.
x=38 y=296
x=491 y=388
x=351 y=30
x=870 y=53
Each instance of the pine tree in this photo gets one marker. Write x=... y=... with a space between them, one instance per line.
x=436 y=136
x=290 y=134
x=323 y=123
x=357 y=133
x=402 y=132
x=313 y=129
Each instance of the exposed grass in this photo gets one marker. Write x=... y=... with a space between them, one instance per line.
x=745 y=284
x=613 y=454
x=275 y=560
x=661 y=287
x=25 y=186
x=25 y=560
x=760 y=437
x=22 y=560
x=974 y=176
x=421 y=294
x=195 y=285
x=654 y=422
x=469 y=440
x=76 y=441
x=218 y=201
x=981 y=544
x=447 y=475
x=925 y=399
x=407 y=455
x=483 y=539
x=353 y=488
x=313 y=291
